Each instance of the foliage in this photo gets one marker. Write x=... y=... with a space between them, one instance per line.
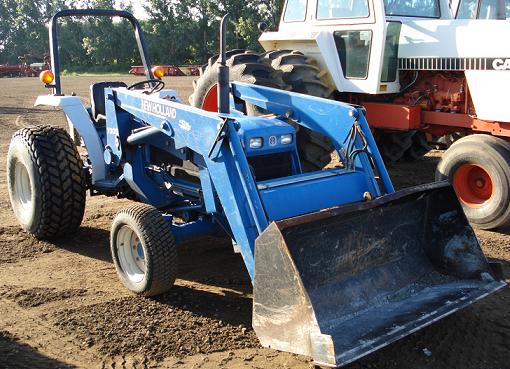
x=177 y=32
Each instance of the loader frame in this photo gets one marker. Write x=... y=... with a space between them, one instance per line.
x=171 y=126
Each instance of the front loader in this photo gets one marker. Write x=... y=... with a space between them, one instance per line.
x=341 y=263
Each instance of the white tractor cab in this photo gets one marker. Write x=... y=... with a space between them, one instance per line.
x=362 y=44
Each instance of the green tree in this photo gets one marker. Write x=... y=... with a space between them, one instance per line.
x=185 y=31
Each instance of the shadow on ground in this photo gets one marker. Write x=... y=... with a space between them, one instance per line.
x=17 y=355
x=207 y=260
x=87 y=241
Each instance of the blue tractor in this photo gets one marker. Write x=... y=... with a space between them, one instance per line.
x=341 y=263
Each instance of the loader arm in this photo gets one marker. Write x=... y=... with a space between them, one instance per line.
x=250 y=205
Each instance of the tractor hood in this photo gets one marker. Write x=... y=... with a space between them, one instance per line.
x=471 y=46
x=454 y=39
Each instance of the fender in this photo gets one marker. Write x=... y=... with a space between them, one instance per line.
x=78 y=117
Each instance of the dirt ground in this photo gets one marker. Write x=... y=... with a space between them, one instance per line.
x=62 y=306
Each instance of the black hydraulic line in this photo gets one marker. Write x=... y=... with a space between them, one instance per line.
x=57 y=90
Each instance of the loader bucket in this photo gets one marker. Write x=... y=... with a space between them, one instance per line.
x=343 y=282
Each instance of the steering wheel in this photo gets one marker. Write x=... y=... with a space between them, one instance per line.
x=158 y=85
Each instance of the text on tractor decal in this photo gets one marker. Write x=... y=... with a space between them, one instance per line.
x=159 y=109
x=500 y=64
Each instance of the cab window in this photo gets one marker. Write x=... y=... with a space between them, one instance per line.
x=331 y=9
x=295 y=11
x=489 y=9
x=481 y=9
x=467 y=9
x=353 y=49
x=415 y=8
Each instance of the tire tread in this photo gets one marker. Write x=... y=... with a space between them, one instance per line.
x=61 y=179
x=162 y=268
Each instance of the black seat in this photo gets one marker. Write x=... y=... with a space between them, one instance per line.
x=97 y=103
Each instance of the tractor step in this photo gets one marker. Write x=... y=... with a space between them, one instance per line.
x=340 y=283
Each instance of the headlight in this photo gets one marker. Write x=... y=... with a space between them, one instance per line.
x=286 y=139
x=255 y=143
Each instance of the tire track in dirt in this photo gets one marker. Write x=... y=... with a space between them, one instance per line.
x=178 y=324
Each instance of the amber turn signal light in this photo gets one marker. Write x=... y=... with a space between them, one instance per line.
x=158 y=72
x=46 y=77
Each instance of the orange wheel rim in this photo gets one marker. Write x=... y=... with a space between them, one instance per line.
x=211 y=99
x=473 y=184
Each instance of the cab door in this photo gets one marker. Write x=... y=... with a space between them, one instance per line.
x=351 y=40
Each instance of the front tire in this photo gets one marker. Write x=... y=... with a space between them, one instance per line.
x=46 y=181
x=478 y=167
x=143 y=250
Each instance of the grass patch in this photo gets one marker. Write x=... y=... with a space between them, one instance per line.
x=96 y=70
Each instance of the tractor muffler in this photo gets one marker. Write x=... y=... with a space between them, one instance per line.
x=340 y=283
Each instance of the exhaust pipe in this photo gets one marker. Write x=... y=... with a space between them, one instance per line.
x=223 y=74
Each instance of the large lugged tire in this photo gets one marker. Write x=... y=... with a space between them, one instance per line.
x=419 y=146
x=46 y=181
x=315 y=150
x=299 y=72
x=143 y=250
x=393 y=145
x=478 y=166
x=245 y=66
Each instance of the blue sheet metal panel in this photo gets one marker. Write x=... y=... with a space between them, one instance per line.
x=270 y=130
x=118 y=126
x=196 y=129
x=331 y=118
x=292 y=199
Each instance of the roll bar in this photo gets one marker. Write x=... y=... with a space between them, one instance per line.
x=55 y=67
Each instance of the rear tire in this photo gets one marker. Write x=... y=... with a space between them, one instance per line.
x=419 y=147
x=46 y=181
x=393 y=145
x=478 y=166
x=298 y=72
x=143 y=250
x=316 y=151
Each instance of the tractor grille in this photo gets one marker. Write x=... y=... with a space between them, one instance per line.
x=271 y=166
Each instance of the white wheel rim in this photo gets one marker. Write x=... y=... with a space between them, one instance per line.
x=22 y=185
x=131 y=254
